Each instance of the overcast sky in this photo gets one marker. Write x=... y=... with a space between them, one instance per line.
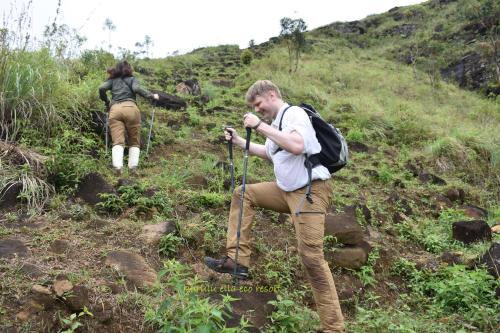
x=186 y=25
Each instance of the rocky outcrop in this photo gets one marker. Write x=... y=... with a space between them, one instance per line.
x=91 y=186
x=168 y=101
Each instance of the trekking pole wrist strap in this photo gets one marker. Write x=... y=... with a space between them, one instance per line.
x=258 y=124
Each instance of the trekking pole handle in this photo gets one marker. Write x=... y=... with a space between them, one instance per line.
x=249 y=132
x=230 y=143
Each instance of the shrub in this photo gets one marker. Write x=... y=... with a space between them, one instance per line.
x=168 y=245
x=246 y=57
x=185 y=311
x=291 y=317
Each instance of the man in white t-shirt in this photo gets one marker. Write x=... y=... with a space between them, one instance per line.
x=287 y=150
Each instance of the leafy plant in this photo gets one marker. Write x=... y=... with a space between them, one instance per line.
x=72 y=323
x=183 y=311
x=169 y=244
x=366 y=273
x=111 y=203
x=291 y=317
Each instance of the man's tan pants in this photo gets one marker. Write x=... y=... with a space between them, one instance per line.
x=125 y=116
x=309 y=230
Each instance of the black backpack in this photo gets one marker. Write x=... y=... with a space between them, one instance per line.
x=334 y=153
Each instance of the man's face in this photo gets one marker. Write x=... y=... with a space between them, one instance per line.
x=264 y=105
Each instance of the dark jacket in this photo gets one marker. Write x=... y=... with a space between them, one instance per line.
x=122 y=89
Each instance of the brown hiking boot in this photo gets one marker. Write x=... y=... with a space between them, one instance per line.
x=226 y=265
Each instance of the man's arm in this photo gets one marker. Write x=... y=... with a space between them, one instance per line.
x=291 y=142
x=254 y=149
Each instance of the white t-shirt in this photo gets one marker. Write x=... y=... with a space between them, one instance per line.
x=289 y=169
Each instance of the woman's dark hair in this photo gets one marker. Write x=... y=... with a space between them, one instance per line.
x=111 y=72
x=122 y=69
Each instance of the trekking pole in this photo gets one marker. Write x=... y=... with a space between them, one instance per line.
x=231 y=161
x=240 y=217
x=151 y=127
x=106 y=131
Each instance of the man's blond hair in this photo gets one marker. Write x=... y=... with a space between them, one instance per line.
x=261 y=88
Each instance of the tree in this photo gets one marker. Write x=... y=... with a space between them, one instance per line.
x=292 y=31
x=108 y=24
x=144 y=46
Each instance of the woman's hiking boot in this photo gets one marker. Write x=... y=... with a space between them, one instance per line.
x=226 y=265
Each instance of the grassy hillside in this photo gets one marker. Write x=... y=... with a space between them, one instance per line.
x=414 y=144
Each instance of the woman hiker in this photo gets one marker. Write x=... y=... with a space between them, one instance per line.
x=124 y=115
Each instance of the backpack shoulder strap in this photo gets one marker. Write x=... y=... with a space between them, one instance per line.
x=282 y=115
x=280 y=128
x=128 y=85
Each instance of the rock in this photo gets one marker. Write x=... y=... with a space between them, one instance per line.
x=152 y=233
x=203 y=271
x=223 y=83
x=189 y=87
x=452 y=258
x=198 y=181
x=12 y=247
x=8 y=196
x=283 y=218
x=91 y=186
x=78 y=299
x=471 y=231
x=59 y=246
x=23 y=316
x=36 y=288
x=344 y=227
x=454 y=194
x=403 y=30
x=350 y=257
x=370 y=173
x=62 y=286
x=133 y=266
x=429 y=178
x=491 y=259
x=358 y=147
x=474 y=212
x=441 y=202
x=470 y=72
x=31 y=270
x=414 y=167
x=168 y=101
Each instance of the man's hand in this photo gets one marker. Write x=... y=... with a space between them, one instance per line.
x=156 y=97
x=250 y=120
x=231 y=134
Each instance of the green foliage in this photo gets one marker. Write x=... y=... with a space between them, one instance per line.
x=471 y=292
x=71 y=323
x=292 y=31
x=246 y=57
x=132 y=196
x=111 y=203
x=70 y=159
x=280 y=267
x=169 y=244
x=35 y=192
x=185 y=311
x=79 y=212
x=207 y=200
x=291 y=317
x=366 y=273
x=95 y=61
x=452 y=290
